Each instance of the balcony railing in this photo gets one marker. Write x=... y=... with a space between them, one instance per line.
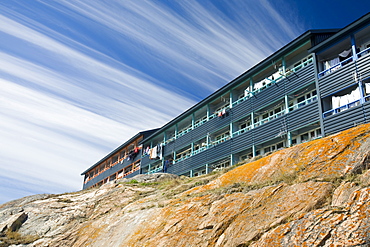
x=335 y=67
x=341 y=64
x=158 y=169
x=302 y=103
x=364 y=52
x=268 y=119
x=250 y=94
x=341 y=108
x=281 y=113
x=272 y=82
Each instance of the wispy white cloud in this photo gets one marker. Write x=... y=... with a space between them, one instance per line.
x=80 y=77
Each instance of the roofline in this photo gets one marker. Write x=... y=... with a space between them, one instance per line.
x=120 y=147
x=342 y=32
x=260 y=65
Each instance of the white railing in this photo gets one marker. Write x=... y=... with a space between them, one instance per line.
x=302 y=103
x=341 y=108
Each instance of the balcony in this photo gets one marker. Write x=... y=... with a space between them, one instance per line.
x=335 y=67
x=341 y=64
x=341 y=108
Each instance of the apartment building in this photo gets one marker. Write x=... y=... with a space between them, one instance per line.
x=316 y=85
x=122 y=162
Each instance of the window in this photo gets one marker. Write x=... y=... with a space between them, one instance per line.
x=277 y=110
x=304 y=137
x=199 y=173
x=221 y=164
x=222 y=137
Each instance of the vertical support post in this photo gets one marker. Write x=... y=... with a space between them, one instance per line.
x=362 y=93
x=289 y=138
x=231 y=99
x=191 y=173
x=288 y=133
x=283 y=62
x=163 y=146
x=318 y=91
x=286 y=99
x=231 y=129
x=252 y=119
x=254 y=150
x=208 y=111
x=232 y=159
x=251 y=85
x=207 y=169
x=192 y=120
x=353 y=46
x=176 y=130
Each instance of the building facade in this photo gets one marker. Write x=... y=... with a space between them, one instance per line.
x=316 y=85
x=122 y=162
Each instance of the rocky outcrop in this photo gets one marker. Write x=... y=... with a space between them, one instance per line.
x=313 y=194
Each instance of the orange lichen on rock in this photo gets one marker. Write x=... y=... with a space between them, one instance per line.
x=323 y=158
x=312 y=194
x=230 y=220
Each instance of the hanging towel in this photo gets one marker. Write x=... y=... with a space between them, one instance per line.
x=336 y=101
x=356 y=94
x=345 y=53
x=153 y=153
x=367 y=88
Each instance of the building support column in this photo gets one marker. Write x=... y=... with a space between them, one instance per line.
x=208 y=110
x=176 y=130
x=192 y=120
x=231 y=99
x=232 y=160
x=288 y=133
x=318 y=92
x=353 y=46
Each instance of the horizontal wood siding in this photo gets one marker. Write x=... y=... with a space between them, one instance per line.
x=133 y=174
x=242 y=141
x=181 y=166
x=243 y=109
x=337 y=80
x=145 y=161
x=300 y=79
x=184 y=140
x=363 y=66
x=268 y=96
x=303 y=116
x=268 y=131
x=343 y=120
x=367 y=111
x=220 y=150
x=169 y=148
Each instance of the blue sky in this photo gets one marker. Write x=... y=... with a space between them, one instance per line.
x=80 y=77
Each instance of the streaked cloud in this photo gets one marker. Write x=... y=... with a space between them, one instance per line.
x=80 y=77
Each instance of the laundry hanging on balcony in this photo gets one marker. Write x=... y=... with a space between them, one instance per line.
x=156 y=152
x=345 y=53
x=367 y=88
x=338 y=101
